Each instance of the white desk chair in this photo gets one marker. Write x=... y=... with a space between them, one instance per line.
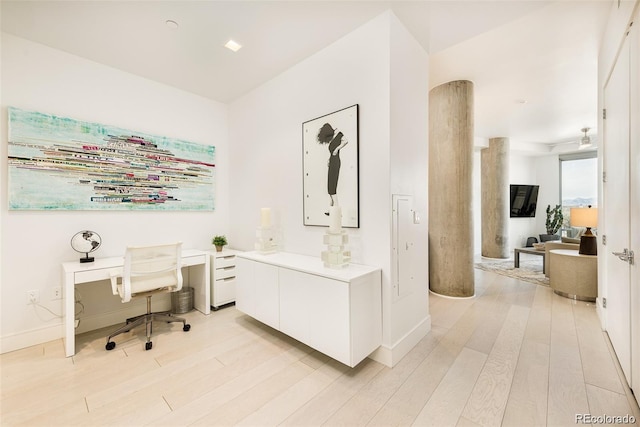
x=148 y=270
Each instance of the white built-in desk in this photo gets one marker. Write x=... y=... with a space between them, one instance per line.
x=335 y=311
x=74 y=273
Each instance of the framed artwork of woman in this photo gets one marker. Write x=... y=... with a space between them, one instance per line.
x=330 y=167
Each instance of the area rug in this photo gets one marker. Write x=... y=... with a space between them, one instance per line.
x=529 y=270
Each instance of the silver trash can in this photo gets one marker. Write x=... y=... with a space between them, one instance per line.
x=182 y=300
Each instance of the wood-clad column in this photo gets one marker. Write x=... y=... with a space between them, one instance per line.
x=450 y=189
x=494 y=170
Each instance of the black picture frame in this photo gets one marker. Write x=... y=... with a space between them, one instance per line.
x=325 y=172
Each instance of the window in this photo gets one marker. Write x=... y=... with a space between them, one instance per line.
x=578 y=183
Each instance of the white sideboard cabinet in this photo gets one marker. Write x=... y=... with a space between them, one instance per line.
x=257 y=291
x=223 y=277
x=335 y=311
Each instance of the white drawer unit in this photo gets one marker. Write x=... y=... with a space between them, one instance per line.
x=223 y=277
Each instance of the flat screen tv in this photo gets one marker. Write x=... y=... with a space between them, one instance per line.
x=524 y=199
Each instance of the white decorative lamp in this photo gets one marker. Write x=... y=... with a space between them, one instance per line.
x=266 y=241
x=265 y=217
x=336 y=238
x=586 y=217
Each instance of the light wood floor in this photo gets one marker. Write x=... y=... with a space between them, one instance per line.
x=515 y=355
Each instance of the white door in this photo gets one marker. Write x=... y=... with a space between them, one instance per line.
x=616 y=195
x=634 y=48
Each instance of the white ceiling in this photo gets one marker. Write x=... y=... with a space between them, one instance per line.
x=539 y=51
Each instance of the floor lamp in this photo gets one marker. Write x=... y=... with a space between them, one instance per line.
x=586 y=217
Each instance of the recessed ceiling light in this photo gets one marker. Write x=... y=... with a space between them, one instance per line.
x=232 y=45
x=521 y=101
x=171 y=24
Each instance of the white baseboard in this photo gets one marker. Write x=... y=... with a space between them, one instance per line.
x=28 y=338
x=390 y=356
x=44 y=334
x=601 y=314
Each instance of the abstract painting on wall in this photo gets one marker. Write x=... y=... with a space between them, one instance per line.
x=57 y=163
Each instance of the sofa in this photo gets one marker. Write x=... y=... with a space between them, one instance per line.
x=549 y=246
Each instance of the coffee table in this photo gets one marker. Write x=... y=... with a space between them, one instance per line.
x=530 y=251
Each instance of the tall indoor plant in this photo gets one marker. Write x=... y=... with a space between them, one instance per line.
x=553 y=223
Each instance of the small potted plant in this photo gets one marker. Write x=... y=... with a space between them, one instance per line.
x=219 y=242
x=553 y=223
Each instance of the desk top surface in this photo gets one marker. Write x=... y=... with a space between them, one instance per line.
x=117 y=261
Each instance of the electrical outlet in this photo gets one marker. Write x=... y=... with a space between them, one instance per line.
x=33 y=296
x=56 y=293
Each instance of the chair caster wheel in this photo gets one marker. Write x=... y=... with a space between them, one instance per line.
x=186 y=327
x=110 y=345
x=148 y=345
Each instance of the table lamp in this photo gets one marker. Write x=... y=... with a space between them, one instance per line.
x=586 y=217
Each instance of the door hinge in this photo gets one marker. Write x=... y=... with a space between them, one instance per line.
x=604 y=114
x=604 y=239
x=604 y=176
x=604 y=303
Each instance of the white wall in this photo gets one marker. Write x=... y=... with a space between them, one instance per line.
x=35 y=243
x=266 y=148
x=407 y=316
x=477 y=201
x=547 y=170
